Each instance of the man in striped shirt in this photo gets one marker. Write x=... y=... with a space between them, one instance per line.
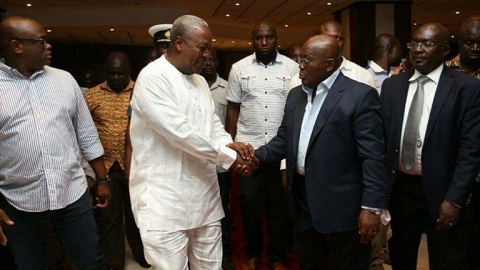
x=45 y=128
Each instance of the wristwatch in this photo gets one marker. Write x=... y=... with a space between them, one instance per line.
x=99 y=179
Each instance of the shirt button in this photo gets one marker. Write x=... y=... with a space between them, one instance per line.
x=266 y=106
x=265 y=119
x=396 y=150
x=265 y=92
x=265 y=79
x=265 y=133
x=394 y=172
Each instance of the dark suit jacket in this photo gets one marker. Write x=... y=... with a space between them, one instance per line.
x=451 y=148
x=344 y=165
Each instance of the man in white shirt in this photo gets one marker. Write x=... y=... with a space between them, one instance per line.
x=257 y=91
x=387 y=53
x=432 y=124
x=177 y=141
x=348 y=68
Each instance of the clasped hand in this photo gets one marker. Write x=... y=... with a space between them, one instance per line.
x=246 y=162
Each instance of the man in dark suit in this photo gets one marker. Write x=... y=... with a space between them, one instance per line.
x=331 y=135
x=432 y=126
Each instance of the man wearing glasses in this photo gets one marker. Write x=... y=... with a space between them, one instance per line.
x=432 y=125
x=45 y=128
x=332 y=137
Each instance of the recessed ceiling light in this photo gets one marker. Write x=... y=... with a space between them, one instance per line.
x=249 y=43
x=237 y=4
x=414 y=23
x=111 y=29
x=233 y=41
x=227 y=15
x=286 y=25
x=279 y=46
x=49 y=30
x=214 y=40
x=457 y=12
x=309 y=13
x=29 y=5
x=453 y=36
x=329 y=4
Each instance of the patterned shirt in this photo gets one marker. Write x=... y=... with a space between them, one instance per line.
x=455 y=64
x=108 y=112
x=45 y=128
x=262 y=91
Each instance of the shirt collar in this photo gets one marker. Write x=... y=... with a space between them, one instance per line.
x=375 y=67
x=276 y=60
x=105 y=86
x=326 y=84
x=15 y=73
x=343 y=65
x=434 y=75
x=217 y=83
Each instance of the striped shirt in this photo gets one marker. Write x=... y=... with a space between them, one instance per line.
x=45 y=128
x=262 y=91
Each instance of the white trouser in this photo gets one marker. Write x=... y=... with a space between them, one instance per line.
x=199 y=248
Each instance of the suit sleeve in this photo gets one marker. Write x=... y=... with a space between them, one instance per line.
x=468 y=158
x=369 y=137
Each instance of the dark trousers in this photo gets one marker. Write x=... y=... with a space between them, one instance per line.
x=225 y=184
x=259 y=194
x=76 y=229
x=410 y=218
x=110 y=222
x=333 y=251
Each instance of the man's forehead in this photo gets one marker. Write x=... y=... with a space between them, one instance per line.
x=263 y=29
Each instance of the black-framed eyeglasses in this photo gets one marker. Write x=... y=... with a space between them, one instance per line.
x=426 y=45
x=44 y=40
x=305 y=61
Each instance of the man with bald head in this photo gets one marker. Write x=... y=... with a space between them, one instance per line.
x=107 y=103
x=468 y=61
x=332 y=138
x=348 y=68
x=177 y=142
x=387 y=53
x=45 y=129
x=432 y=125
x=257 y=90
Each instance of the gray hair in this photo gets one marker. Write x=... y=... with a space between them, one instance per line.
x=183 y=26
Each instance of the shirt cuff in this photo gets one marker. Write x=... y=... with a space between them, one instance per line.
x=283 y=165
x=384 y=214
x=226 y=157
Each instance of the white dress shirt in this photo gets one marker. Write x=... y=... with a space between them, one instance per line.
x=262 y=91
x=349 y=69
x=429 y=88
x=177 y=141
x=310 y=117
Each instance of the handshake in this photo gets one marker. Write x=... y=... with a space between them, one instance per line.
x=246 y=162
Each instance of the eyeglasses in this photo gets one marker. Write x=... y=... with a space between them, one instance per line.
x=426 y=45
x=44 y=40
x=305 y=61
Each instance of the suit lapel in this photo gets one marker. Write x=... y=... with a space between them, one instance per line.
x=401 y=100
x=443 y=90
x=299 y=111
x=331 y=100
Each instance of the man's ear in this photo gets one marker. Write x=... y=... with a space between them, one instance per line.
x=16 y=47
x=178 y=43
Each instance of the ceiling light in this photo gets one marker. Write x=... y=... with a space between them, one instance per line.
x=309 y=13
x=249 y=43
x=453 y=36
x=49 y=30
x=233 y=41
x=286 y=25
x=111 y=29
x=415 y=23
x=329 y=4
x=214 y=40
x=227 y=15
x=237 y=4
x=29 y=5
x=457 y=12
x=279 y=46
